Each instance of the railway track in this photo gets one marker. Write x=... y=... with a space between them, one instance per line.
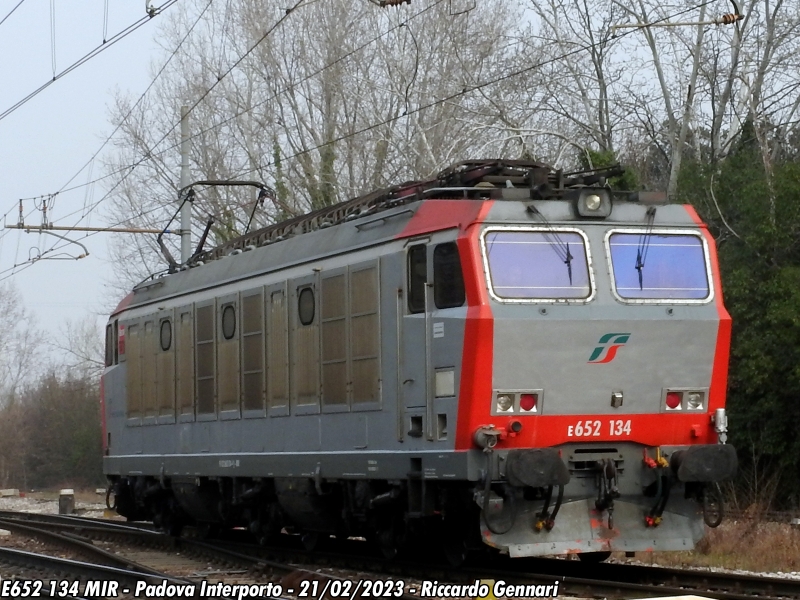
x=104 y=573
x=78 y=533
x=574 y=578
x=70 y=570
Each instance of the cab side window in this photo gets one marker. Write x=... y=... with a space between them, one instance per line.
x=416 y=269
x=112 y=344
x=448 y=280
x=109 y=344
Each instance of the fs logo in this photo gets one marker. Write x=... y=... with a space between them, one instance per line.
x=608 y=346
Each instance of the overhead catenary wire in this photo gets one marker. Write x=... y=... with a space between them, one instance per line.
x=148 y=156
x=5 y=231
x=84 y=59
x=468 y=89
x=266 y=34
x=227 y=120
x=127 y=115
x=53 y=35
x=105 y=22
x=129 y=168
x=88 y=196
x=89 y=184
x=462 y=92
x=465 y=90
x=11 y=12
x=223 y=44
x=17 y=267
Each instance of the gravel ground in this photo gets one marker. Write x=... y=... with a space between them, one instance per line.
x=778 y=574
x=90 y=504
x=87 y=504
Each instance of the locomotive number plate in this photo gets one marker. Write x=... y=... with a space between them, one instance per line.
x=595 y=428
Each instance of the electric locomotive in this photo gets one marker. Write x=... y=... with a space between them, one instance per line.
x=505 y=355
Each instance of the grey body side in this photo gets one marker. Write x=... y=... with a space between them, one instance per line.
x=370 y=441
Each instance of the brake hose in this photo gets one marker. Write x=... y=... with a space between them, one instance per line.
x=486 y=491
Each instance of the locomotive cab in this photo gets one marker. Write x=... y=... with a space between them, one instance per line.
x=609 y=355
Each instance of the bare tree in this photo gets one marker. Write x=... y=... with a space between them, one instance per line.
x=20 y=345
x=80 y=348
x=578 y=40
x=20 y=354
x=346 y=98
x=725 y=75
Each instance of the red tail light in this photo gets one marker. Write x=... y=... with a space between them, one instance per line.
x=527 y=402
x=673 y=400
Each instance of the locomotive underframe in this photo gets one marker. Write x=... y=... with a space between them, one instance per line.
x=580 y=527
x=431 y=493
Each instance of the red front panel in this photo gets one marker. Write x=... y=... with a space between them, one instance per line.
x=719 y=378
x=650 y=429
x=475 y=391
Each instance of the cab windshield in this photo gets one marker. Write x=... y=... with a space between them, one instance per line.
x=531 y=265
x=659 y=266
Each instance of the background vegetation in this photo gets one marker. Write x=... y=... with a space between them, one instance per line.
x=50 y=428
x=752 y=205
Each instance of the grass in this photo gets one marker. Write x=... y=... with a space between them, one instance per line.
x=747 y=544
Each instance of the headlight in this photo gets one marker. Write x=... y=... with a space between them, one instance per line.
x=694 y=401
x=593 y=202
x=505 y=402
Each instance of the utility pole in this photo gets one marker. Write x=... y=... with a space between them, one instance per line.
x=186 y=208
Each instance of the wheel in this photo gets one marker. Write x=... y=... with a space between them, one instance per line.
x=387 y=542
x=267 y=525
x=310 y=540
x=456 y=552
x=207 y=531
x=172 y=525
x=593 y=557
x=713 y=510
x=169 y=519
x=174 y=528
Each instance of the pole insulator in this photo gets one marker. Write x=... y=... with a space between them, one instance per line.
x=730 y=19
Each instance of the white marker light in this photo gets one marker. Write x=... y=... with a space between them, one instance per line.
x=592 y=202
x=505 y=402
x=694 y=401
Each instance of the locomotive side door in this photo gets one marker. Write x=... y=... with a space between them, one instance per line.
x=415 y=311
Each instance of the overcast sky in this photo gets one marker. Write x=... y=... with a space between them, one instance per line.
x=46 y=141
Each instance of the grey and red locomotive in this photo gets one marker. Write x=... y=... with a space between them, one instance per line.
x=504 y=354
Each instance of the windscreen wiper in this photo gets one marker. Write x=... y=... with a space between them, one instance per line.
x=557 y=244
x=644 y=243
x=568 y=262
